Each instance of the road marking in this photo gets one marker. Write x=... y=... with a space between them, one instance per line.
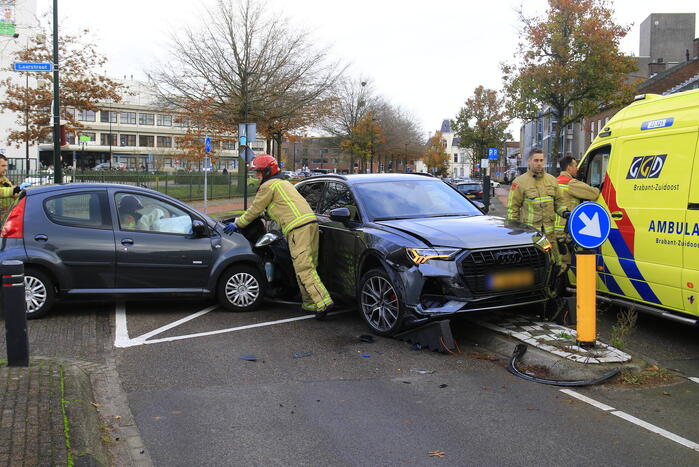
x=239 y=328
x=636 y=421
x=692 y=378
x=592 y=402
x=122 y=339
x=174 y=324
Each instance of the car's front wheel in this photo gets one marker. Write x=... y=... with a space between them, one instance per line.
x=39 y=293
x=240 y=288
x=380 y=304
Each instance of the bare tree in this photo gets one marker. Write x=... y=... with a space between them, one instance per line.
x=401 y=133
x=249 y=65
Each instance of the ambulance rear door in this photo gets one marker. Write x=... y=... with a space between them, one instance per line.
x=690 y=276
x=647 y=200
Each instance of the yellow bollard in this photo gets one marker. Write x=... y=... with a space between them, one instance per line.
x=586 y=298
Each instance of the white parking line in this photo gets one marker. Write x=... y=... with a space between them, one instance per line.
x=122 y=339
x=636 y=421
x=692 y=378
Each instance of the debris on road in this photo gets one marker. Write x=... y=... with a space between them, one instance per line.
x=302 y=354
x=439 y=454
x=366 y=338
x=484 y=356
x=249 y=358
x=421 y=371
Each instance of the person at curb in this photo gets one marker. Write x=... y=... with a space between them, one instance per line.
x=574 y=192
x=535 y=199
x=7 y=188
x=285 y=206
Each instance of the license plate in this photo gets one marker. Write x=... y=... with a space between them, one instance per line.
x=470 y=196
x=511 y=280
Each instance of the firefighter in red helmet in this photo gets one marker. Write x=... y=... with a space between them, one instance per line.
x=289 y=209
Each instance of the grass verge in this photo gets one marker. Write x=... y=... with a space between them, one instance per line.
x=66 y=423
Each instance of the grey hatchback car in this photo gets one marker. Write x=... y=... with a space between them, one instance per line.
x=92 y=240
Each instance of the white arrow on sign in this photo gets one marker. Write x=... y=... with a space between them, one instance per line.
x=592 y=227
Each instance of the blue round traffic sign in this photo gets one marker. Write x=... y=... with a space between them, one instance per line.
x=589 y=225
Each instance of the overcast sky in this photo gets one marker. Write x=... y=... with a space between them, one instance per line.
x=427 y=57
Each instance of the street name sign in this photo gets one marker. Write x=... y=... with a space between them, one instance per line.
x=28 y=66
x=589 y=225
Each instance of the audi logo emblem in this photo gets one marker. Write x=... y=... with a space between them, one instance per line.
x=508 y=257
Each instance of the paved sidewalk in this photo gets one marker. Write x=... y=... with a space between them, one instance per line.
x=32 y=430
x=67 y=406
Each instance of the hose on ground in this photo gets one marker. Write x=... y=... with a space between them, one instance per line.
x=521 y=349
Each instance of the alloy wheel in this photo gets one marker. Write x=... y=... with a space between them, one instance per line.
x=380 y=303
x=242 y=289
x=34 y=293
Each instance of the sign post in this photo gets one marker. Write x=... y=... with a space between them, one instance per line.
x=206 y=167
x=247 y=133
x=588 y=225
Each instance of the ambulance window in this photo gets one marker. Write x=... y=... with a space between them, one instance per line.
x=595 y=167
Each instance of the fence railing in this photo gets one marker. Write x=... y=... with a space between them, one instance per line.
x=183 y=186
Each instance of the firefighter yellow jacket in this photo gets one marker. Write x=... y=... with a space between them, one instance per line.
x=535 y=200
x=574 y=191
x=284 y=205
x=6 y=188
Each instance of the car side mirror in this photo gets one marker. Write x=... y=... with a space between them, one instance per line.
x=340 y=215
x=198 y=228
x=481 y=207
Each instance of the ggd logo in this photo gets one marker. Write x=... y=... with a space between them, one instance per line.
x=646 y=166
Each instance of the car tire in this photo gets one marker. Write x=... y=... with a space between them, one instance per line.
x=40 y=293
x=380 y=304
x=240 y=288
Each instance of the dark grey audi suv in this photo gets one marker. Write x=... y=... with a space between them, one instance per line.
x=409 y=249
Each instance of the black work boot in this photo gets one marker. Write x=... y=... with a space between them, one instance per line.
x=321 y=314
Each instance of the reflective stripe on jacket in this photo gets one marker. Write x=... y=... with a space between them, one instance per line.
x=574 y=192
x=284 y=205
x=535 y=200
x=6 y=188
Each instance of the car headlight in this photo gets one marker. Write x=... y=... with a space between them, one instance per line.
x=422 y=255
x=544 y=244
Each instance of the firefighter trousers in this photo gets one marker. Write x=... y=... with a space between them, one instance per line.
x=303 y=246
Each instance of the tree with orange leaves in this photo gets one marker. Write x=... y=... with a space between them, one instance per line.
x=366 y=136
x=82 y=87
x=569 y=61
x=436 y=158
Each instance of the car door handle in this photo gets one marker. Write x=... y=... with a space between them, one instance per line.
x=617 y=215
x=126 y=241
x=41 y=238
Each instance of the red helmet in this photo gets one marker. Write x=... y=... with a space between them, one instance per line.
x=266 y=164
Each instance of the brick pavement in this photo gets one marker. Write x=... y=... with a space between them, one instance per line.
x=31 y=422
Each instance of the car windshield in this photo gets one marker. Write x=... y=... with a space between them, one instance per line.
x=411 y=199
x=469 y=187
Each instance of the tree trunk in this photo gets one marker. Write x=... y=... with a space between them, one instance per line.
x=555 y=149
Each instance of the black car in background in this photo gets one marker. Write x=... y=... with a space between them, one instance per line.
x=409 y=249
x=102 y=240
x=472 y=190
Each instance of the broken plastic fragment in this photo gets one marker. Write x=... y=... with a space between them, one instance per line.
x=416 y=346
x=302 y=354
x=366 y=338
x=249 y=358
x=420 y=371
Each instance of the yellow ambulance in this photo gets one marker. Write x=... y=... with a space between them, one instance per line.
x=646 y=164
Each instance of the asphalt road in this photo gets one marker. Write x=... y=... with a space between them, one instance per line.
x=316 y=395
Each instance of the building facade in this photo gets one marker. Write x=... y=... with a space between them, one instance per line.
x=137 y=134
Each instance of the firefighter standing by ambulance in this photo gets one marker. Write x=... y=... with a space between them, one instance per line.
x=291 y=211
x=535 y=199
x=574 y=192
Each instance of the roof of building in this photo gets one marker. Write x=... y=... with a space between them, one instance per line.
x=446 y=126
